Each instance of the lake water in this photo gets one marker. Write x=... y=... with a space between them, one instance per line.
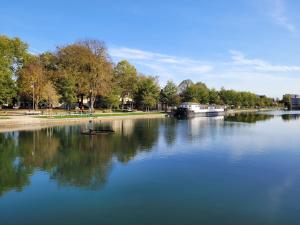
x=241 y=169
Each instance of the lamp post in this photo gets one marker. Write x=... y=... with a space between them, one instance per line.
x=90 y=101
x=33 y=97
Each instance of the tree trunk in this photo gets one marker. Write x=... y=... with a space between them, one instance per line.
x=36 y=105
x=81 y=102
x=122 y=99
x=92 y=101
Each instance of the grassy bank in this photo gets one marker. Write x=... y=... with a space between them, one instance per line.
x=98 y=115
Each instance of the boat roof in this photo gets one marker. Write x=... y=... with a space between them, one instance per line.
x=190 y=103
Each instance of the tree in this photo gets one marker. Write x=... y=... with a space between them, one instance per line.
x=89 y=65
x=214 y=97
x=50 y=94
x=66 y=89
x=168 y=95
x=125 y=76
x=147 y=93
x=184 y=85
x=13 y=53
x=229 y=97
x=287 y=101
x=32 y=80
x=112 y=99
x=7 y=89
x=196 y=93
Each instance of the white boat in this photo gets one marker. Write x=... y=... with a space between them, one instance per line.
x=190 y=109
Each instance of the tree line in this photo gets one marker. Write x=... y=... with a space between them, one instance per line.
x=200 y=93
x=84 y=70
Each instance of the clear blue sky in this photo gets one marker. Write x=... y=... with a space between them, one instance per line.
x=240 y=44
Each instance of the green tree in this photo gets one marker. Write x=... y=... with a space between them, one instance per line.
x=125 y=76
x=214 y=97
x=168 y=95
x=229 y=97
x=287 y=101
x=66 y=89
x=112 y=99
x=13 y=53
x=147 y=92
x=196 y=93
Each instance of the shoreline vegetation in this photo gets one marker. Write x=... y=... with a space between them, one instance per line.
x=82 y=75
x=13 y=121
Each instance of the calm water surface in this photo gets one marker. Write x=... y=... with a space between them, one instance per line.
x=241 y=169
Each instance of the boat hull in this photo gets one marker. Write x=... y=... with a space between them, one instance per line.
x=183 y=113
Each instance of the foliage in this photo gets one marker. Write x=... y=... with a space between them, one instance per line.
x=147 y=93
x=31 y=81
x=85 y=70
x=168 y=95
x=13 y=53
x=196 y=93
x=287 y=101
x=214 y=97
x=50 y=95
x=89 y=65
x=125 y=76
x=235 y=99
x=112 y=99
x=184 y=85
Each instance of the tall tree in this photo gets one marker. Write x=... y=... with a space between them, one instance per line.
x=287 y=101
x=89 y=65
x=13 y=53
x=32 y=80
x=49 y=94
x=196 y=93
x=125 y=76
x=168 y=95
x=147 y=92
x=214 y=97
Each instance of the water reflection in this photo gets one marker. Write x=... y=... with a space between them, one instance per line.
x=76 y=160
x=13 y=174
x=69 y=157
x=248 y=117
x=288 y=117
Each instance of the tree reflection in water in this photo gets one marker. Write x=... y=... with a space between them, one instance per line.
x=288 y=117
x=69 y=157
x=248 y=117
x=72 y=159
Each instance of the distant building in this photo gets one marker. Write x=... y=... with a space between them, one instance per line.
x=295 y=102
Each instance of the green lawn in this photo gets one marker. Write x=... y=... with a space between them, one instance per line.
x=100 y=115
x=3 y=117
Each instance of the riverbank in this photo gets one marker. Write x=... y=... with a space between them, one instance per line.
x=17 y=120
x=24 y=122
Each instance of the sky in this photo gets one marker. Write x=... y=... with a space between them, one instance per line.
x=248 y=45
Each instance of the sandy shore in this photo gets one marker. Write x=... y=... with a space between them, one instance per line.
x=13 y=123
